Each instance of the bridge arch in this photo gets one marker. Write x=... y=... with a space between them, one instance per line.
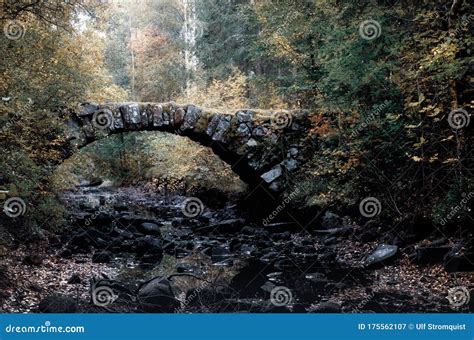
x=260 y=146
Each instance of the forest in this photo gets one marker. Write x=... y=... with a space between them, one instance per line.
x=223 y=156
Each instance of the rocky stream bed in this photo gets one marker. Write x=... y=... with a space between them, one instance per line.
x=128 y=250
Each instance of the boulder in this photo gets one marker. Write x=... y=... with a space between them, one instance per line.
x=331 y=220
x=148 y=244
x=247 y=230
x=273 y=174
x=148 y=228
x=157 y=296
x=383 y=253
x=220 y=253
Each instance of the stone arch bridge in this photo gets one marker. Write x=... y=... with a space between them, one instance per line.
x=262 y=147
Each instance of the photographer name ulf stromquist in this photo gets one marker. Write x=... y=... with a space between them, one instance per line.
x=441 y=327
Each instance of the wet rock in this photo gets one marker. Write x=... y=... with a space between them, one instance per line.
x=157 y=296
x=180 y=253
x=330 y=241
x=58 y=304
x=340 y=231
x=247 y=250
x=186 y=268
x=74 y=279
x=205 y=217
x=230 y=225
x=224 y=263
x=282 y=236
x=268 y=255
x=102 y=257
x=247 y=230
x=330 y=220
x=251 y=143
x=382 y=254
x=169 y=247
x=148 y=244
x=150 y=260
x=292 y=152
x=148 y=228
x=273 y=174
x=123 y=233
x=220 y=253
x=290 y=164
x=85 y=239
x=284 y=264
x=300 y=249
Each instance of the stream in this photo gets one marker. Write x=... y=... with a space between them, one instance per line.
x=132 y=250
